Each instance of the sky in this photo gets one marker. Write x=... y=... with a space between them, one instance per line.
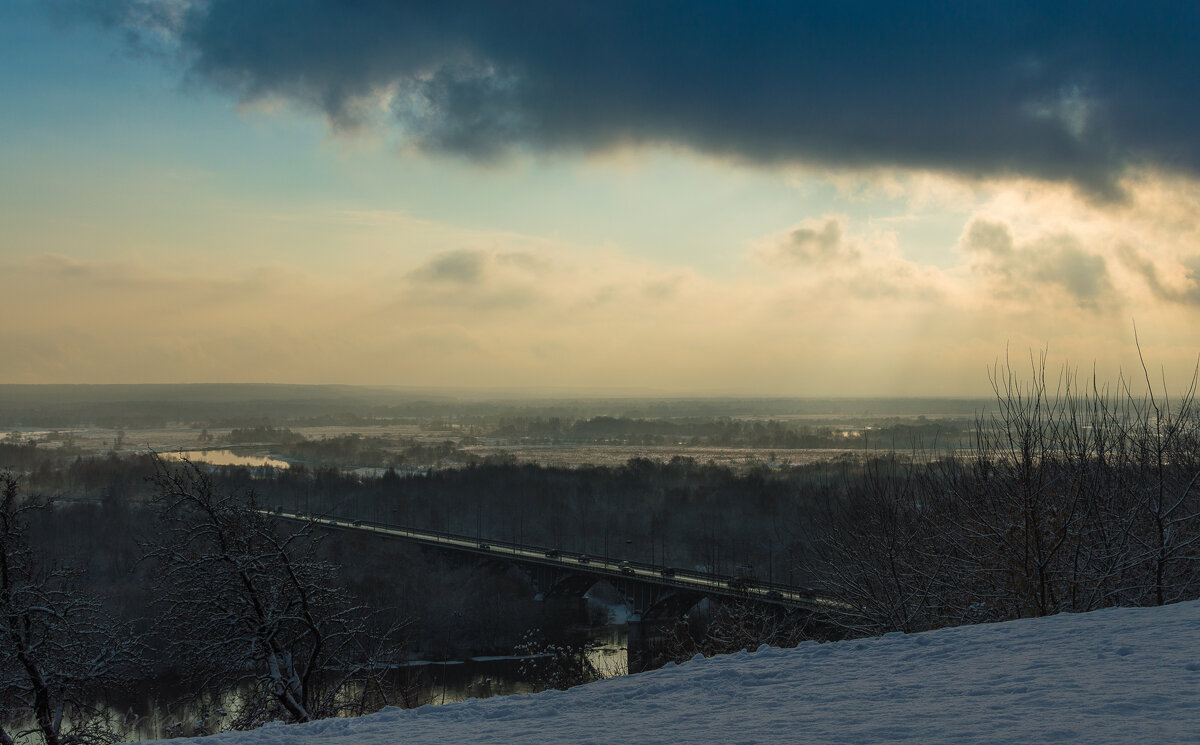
x=675 y=198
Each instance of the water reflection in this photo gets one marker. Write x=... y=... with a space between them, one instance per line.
x=608 y=652
x=159 y=709
x=227 y=458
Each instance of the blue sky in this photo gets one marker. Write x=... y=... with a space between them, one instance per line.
x=246 y=194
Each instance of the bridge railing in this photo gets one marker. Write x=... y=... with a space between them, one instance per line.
x=680 y=577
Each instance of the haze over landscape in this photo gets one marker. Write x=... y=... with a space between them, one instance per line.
x=762 y=198
x=754 y=369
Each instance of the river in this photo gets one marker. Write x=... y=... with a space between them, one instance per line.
x=157 y=709
x=227 y=458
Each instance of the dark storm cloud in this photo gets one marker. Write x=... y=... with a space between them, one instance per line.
x=1068 y=91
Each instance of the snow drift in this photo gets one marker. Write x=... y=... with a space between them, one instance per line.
x=1112 y=676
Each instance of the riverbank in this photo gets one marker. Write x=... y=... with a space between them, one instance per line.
x=1108 y=677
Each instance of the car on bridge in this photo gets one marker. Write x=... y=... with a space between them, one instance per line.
x=584 y=559
x=553 y=553
x=485 y=547
x=626 y=568
x=667 y=572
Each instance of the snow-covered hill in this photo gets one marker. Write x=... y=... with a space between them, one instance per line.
x=1113 y=676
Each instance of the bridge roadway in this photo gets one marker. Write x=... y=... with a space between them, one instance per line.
x=601 y=567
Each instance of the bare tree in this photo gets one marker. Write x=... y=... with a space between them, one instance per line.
x=59 y=652
x=1164 y=461
x=734 y=626
x=1072 y=498
x=876 y=550
x=251 y=611
x=1017 y=508
x=1088 y=499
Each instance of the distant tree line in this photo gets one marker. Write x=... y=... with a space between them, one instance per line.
x=263 y=434
x=23 y=456
x=744 y=433
x=351 y=449
x=679 y=513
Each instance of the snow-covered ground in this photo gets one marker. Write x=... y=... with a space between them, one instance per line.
x=1113 y=676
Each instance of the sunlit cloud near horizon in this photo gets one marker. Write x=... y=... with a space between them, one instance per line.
x=714 y=199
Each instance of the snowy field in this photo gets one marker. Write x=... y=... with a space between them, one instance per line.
x=1114 y=676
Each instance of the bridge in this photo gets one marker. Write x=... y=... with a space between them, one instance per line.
x=648 y=589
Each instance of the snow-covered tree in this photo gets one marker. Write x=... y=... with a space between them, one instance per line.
x=59 y=652
x=559 y=665
x=249 y=609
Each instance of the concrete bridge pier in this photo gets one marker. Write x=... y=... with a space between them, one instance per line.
x=637 y=647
